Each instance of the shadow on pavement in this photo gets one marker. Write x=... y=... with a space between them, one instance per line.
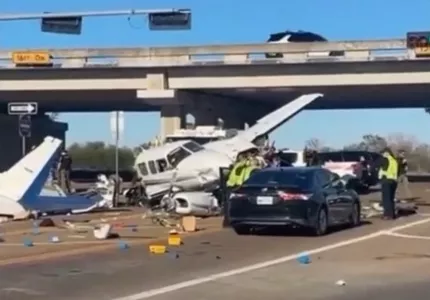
x=299 y=231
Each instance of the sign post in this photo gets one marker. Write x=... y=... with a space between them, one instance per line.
x=117 y=129
x=24 y=111
x=24 y=126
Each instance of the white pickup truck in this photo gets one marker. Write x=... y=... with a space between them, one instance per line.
x=354 y=165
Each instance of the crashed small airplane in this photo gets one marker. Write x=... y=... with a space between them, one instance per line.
x=22 y=190
x=179 y=173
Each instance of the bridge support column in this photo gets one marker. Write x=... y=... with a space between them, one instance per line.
x=172 y=118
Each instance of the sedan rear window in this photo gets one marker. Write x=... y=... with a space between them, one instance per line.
x=296 y=179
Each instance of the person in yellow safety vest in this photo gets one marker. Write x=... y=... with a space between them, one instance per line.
x=388 y=172
x=234 y=180
x=252 y=164
x=234 y=177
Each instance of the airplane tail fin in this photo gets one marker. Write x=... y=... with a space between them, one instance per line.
x=27 y=177
x=272 y=121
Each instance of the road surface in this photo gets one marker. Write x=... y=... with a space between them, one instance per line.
x=384 y=260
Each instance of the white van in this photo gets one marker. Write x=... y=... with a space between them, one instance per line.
x=295 y=158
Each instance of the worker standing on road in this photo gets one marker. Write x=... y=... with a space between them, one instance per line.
x=275 y=161
x=311 y=157
x=252 y=164
x=403 y=177
x=235 y=174
x=233 y=181
x=63 y=170
x=388 y=173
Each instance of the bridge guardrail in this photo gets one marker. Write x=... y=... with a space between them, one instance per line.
x=226 y=54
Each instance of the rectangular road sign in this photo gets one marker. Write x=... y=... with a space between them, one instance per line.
x=31 y=58
x=22 y=108
x=24 y=126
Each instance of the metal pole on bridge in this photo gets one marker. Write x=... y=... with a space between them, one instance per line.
x=24 y=145
x=104 y=13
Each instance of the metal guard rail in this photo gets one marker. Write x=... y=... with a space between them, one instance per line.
x=183 y=55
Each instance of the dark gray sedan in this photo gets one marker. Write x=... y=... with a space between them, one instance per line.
x=314 y=198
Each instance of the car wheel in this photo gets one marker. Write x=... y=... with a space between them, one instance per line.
x=242 y=229
x=321 y=224
x=355 y=216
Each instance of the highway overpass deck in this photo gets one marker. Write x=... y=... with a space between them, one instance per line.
x=379 y=74
x=394 y=49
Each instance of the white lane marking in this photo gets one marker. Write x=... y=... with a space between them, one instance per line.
x=213 y=277
x=28 y=292
x=408 y=236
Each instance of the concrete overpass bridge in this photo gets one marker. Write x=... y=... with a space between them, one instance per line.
x=216 y=81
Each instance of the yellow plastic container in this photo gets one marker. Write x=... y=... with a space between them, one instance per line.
x=174 y=240
x=157 y=249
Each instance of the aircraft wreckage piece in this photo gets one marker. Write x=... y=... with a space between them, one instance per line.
x=21 y=186
x=185 y=168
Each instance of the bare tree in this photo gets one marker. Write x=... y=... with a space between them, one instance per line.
x=314 y=143
x=417 y=153
x=369 y=142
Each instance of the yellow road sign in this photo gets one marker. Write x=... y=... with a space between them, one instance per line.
x=422 y=51
x=31 y=58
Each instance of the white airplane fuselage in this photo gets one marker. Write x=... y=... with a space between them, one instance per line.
x=194 y=172
x=188 y=166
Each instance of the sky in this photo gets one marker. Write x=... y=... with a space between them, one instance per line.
x=229 y=22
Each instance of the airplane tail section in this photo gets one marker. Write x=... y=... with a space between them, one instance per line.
x=24 y=181
x=244 y=140
x=272 y=121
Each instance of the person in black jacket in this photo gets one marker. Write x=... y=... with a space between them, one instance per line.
x=311 y=158
x=403 y=177
x=64 y=168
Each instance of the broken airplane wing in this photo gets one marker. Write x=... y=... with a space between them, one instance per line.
x=275 y=119
x=244 y=140
x=21 y=185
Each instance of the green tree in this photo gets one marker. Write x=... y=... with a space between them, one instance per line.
x=100 y=155
x=417 y=153
x=369 y=142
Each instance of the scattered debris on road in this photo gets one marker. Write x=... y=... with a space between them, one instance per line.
x=304 y=259
x=157 y=249
x=340 y=283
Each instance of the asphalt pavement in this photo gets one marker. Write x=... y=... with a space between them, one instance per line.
x=370 y=259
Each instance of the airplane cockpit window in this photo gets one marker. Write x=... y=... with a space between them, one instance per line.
x=152 y=167
x=177 y=155
x=143 y=169
x=193 y=147
x=162 y=165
